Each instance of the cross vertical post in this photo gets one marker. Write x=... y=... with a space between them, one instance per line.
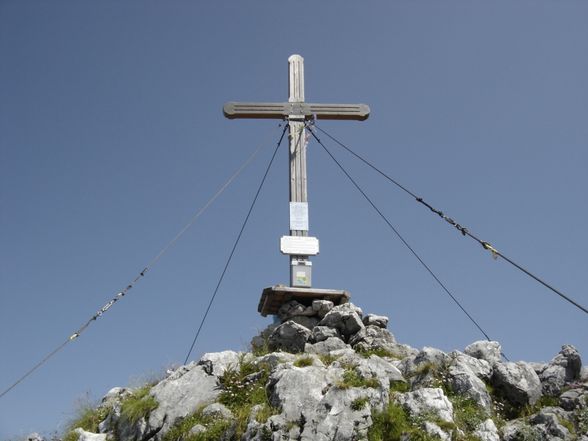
x=300 y=266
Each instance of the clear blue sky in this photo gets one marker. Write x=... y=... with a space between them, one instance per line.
x=112 y=136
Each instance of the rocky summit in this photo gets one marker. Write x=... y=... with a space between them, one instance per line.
x=325 y=372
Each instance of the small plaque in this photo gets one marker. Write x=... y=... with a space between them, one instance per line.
x=299 y=216
x=299 y=245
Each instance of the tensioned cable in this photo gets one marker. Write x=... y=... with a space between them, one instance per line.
x=159 y=255
x=463 y=230
x=220 y=280
x=367 y=198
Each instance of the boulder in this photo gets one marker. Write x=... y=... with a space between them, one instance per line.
x=289 y=337
x=480 y=368
x=435 y=431
x=217 y=410
x=547 y=422
x=423 y=367
x=180 y=395
x=487 y=431
x=276 y=358
x=322 y=307
x=216 y=363
x=373 y=337
x=34 y=437
x=381 y=321
x=306 y=321
x=427 y=401
x=346 y=318
x=336 y=419
x=564 y=368
x=89 y=436
x=573 y=398
x=197 y=430
x=296 y=391
x=462 y=380
x=293 y=308
x=517 y=430
x=517 y=382
x=320 y=333
x=326 y=346
x=491 y=351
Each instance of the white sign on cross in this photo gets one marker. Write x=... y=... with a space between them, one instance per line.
x=296 y=111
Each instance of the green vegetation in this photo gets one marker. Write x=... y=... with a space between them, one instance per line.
x=139 y=404
x=88 y=419
x=399 y=386
x=328 y=359
x=215 y=428
x=380 y=352
x=244 y=387
x=262 y=349
x=304 y=361
x=581 y=417
x=466 y=413
x=359 y=403
x=352 y=378
x=392 y=423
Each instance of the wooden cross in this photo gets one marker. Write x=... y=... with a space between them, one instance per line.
x=296 y=111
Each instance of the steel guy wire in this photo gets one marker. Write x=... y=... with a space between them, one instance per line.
x=220 y=280
x=159 y=255
x=406 y=244
x=463 y=230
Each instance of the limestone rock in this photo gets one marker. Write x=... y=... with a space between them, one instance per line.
x=276 y=358
x=216 y=363
x=573 y=398
x=481 y=368
x=294 y=308
x=463 y=381
x=89 y=436
x=436 y=432
x=517 y=430
x=380 y=321
x=290 y=337
x=373 y=337
x=426 y=401
x=181 y=394
x=306 y=321
x=34 y=437
x=197 y=429
x=563 y=368
x=326 y=346
x=116 y=394
x=487 y=431
x=547 y=422
x=217 y=410
x=322 y=307
x=346 y=318
x=517 y=382
x=336 y=419
x=296 y=391
x=320 y=333
x=424 y=368
x=486 y=350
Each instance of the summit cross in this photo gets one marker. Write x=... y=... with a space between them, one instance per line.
x=296 y=111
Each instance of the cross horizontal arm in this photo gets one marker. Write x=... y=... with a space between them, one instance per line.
x=359 y=112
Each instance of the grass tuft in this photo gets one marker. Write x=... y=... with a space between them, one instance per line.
x=304 y=362
x=88 y=419
x=352 y=378
x=244 y=387
x=138 y=405
x=359 y=403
